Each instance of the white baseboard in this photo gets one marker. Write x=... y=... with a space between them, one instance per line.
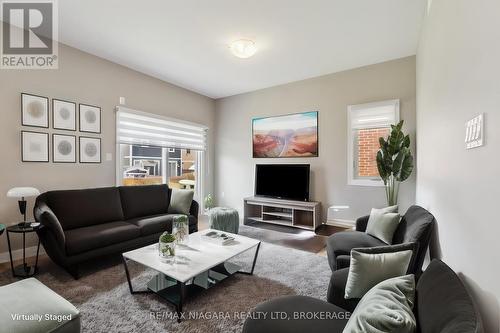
x=342 y=223
x=18 y=254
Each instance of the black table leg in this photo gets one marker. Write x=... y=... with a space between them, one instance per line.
x=182 y=295
x=10 y=255
x=37 y=252
x=254 y=261
x=25 y=266
x=132 y=291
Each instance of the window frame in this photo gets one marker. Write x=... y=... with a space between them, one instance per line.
x=351 y=180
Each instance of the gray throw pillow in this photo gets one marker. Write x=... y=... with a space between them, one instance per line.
x=368 y=269
x=387 y=307
x=180 y=201
x=383 y=223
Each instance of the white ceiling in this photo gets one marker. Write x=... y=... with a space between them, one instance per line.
x=185 y=41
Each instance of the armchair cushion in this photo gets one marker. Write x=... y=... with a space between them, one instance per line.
x=383 y=225
x=369 y=269
x=343 y=242
x=387 y=307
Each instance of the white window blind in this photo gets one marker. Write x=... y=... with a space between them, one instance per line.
x=141 y=128
x=374 y=115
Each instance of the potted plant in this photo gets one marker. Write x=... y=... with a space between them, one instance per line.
x=167 y=246
x=394 y=161
x=209 y=202
x=180 y=228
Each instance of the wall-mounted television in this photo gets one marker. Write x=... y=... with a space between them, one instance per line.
x=282 y=181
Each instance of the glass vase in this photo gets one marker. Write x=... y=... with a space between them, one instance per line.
x=166 y=247
x=180 y=229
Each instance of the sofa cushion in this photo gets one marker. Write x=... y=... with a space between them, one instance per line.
x=31 y=297
x=296 y=316
x=443 y=304
x=100 y=235
x=81 y=208
x=343 y=242
x=180 y=201
x=153 y=224
x=147 y=200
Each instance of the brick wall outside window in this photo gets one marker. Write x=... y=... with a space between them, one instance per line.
x=367 y=150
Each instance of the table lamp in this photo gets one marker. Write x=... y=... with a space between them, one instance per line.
x=22 y=193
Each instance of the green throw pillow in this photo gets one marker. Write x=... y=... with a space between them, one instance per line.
x=383 y=223
x=180 y=201
x=387 y=307
x=368 y=269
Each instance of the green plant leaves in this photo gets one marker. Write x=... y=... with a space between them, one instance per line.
x=394 y=160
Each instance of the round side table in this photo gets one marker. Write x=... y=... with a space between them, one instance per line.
x=23 y=270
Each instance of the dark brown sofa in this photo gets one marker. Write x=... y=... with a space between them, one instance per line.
x=80 y=225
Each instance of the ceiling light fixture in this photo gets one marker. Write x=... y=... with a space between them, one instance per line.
x=243 y=48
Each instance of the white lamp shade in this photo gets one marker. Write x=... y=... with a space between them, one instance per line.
x=22 y=192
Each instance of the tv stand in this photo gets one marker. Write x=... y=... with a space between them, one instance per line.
x=296 y=214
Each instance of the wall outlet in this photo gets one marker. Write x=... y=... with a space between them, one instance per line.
x=474 y=132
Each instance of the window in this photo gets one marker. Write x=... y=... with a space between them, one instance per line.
x=367 y=123
x=158 y=150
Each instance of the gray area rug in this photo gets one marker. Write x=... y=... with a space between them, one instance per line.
x=106 y=305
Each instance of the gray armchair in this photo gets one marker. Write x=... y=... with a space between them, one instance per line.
x=415 y=227
x=442 y=305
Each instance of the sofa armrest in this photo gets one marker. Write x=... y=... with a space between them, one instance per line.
x=361 y=223
x=48 y=219
x=194 y=209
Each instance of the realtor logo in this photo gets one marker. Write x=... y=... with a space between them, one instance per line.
x=29 y=34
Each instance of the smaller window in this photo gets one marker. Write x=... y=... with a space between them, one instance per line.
x=366 y=124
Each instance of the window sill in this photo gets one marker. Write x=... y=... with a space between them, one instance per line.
x=366 y=182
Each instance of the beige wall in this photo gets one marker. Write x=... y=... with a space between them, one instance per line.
x=84 y=78
x=458 y=73
x=329 y=95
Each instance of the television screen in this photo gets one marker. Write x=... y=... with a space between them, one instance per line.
x=282 y=181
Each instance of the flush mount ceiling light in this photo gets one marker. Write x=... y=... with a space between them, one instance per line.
x=243 y=48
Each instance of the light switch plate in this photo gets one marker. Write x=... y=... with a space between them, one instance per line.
x=474 y=132
x=109 y=157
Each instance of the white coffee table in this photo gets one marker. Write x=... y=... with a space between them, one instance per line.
x=198 y=265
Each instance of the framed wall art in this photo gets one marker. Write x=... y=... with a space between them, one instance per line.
x=90 y=150
x=34 y=110
x=90 y=118
x=293 y=135
x=34 y=146
x=63 y=115
x=63 y=148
